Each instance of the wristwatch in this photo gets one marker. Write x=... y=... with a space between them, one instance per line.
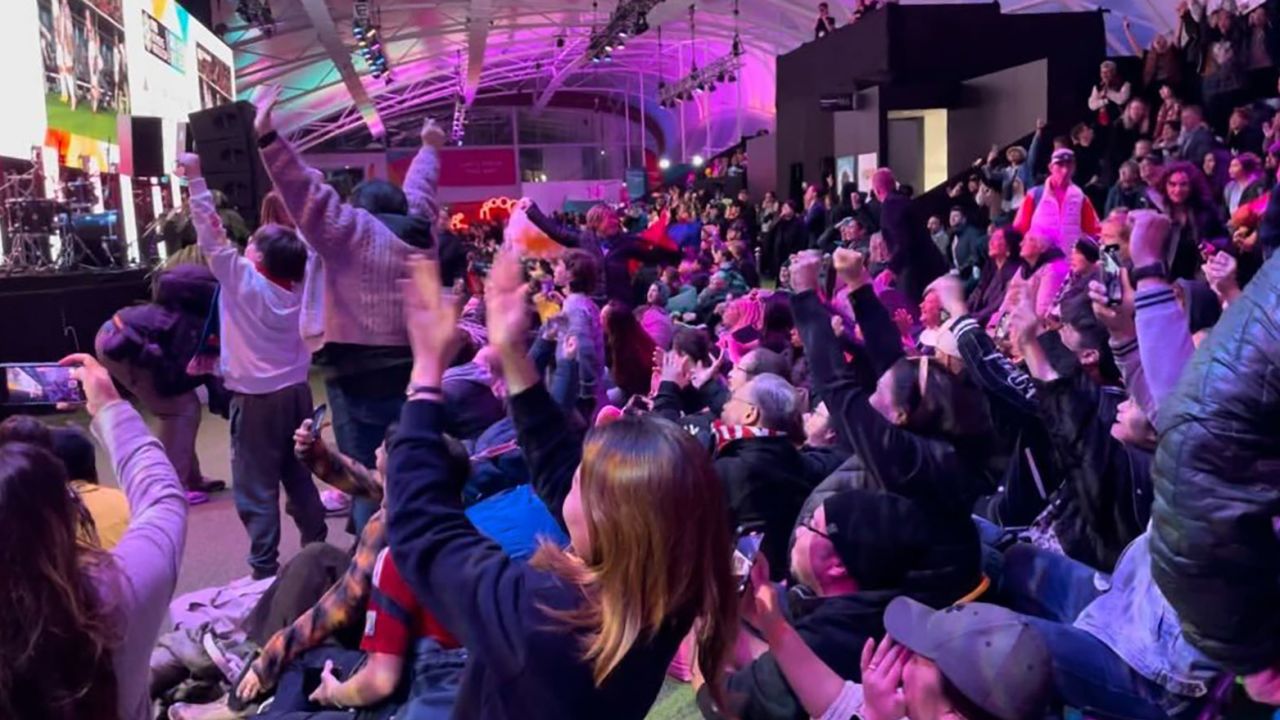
x=1153 y=270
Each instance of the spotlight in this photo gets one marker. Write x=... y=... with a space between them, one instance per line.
x=602 y=152
x=621 y=43
x=622 y=33
x=733 y=77
x=595 y=58
x=560 y=41
x=720 y=76
x=736 y=50
x=642 y=24
x=698 y=161
x=664 y=163
x=608 y=58
x=373 y=32
x=358 y=30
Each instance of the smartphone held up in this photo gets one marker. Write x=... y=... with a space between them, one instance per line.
x=38 y=385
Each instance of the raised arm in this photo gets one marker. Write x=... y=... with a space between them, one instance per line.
x=563 y=234
x=149 y=554
x=552 y=451
x=424 y=173
x=463 y=577
x=332 y=228
x=234 y=272
x=1133 y=42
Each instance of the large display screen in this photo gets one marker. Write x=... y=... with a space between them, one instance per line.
x=85 y=62
x=85 y=73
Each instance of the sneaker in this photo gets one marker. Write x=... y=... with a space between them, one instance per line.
x=196 y=497
x=229 y=664
x=217 y=710
x=335 y=502
x=208 y=485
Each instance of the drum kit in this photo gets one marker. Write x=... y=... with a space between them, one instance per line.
x=88 y=240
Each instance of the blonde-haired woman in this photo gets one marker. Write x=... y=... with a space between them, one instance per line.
x=586 y=632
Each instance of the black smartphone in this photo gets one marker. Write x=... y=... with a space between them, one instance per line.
x=39 y=384
x=1111 y=275
x=317 y=419
x=311 y=679
x=744 y=556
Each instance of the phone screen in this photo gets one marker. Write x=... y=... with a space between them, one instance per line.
x=744 y=556
x=1111 y=275
x=317 y=419
x=40 y=384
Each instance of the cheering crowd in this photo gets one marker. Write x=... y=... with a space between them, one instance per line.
x=1017 y=463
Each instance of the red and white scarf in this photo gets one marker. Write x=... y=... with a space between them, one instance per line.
x=726 y=433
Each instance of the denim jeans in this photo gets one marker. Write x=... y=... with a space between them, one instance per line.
x=291 y=701
x=360 y=425
x=262 y=461
x=437 y=675
x=1052 y=590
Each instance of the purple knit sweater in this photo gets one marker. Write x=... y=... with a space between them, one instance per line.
x=363 y=258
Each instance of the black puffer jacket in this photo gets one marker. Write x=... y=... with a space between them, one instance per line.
x=1215 y=546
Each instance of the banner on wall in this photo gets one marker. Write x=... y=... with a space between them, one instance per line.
x=479 y=167
x=163 y=43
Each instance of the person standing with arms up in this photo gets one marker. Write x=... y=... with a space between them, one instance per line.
x=264 y=363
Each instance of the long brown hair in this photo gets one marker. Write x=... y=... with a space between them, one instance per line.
x=56 y=632
x=274 y=212
x=660 y=547
x=628 y=349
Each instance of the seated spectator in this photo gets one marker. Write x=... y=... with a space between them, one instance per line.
x=628 y=350
x=1043 y=274
x=577 y=273
x=1003 y=262
x=1247 y=183
x=654 y=317
x=1243 y=135
x=968 y=662
x=1196 y=138
x=108 y=506
x=857 y=552
x=1129 y=192
x=407 y=664
x=938 y=232
x=79 y=623
x=634 y=563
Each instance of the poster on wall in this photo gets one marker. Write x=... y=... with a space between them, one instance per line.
x=163 y=43
x=846 y=173
x=86 y=74
x=868 y=163
x=215 y=78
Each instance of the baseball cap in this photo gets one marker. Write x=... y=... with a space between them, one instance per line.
x=844 y=223
x=991 y=655
x=1063 y=156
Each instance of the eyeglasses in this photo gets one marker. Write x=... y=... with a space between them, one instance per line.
x=808 y=525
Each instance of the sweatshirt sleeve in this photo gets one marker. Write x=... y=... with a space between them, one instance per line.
x=421 y=181
x=1164 y=343
x=332 y=227
x=991 y=369
x=464 y=578
x=552 y=451
x=879 y=334
x=235 y=274
x=563 y=235
x=150 y=552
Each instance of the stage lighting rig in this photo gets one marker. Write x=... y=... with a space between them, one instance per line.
x=631 y=18
x=366 y=26
x=257 y=13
